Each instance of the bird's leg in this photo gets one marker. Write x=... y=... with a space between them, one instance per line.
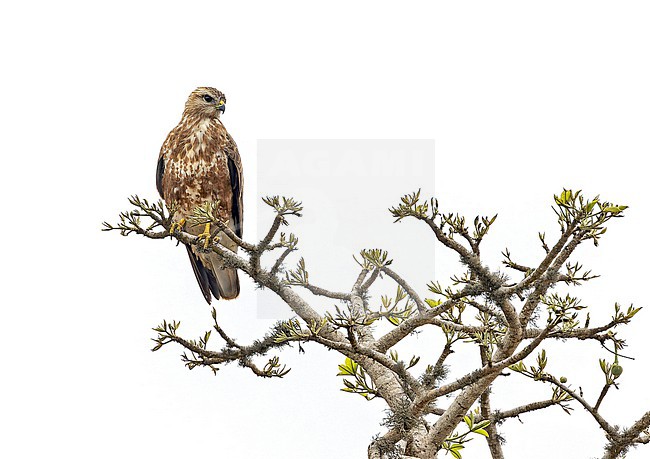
x=206 y=235
x=177 y=226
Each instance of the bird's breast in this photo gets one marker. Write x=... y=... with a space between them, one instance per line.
x=196 y=166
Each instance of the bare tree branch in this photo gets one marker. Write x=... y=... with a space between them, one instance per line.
x=372 y=367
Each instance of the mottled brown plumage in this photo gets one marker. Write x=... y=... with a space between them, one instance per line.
x=199 y=163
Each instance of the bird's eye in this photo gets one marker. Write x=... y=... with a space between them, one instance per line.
x=208 y=99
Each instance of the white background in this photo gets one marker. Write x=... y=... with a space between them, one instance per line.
x=344 y=186
x=522 y=100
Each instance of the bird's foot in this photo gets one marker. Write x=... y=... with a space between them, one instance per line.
x=177 y=226
x=206 y=237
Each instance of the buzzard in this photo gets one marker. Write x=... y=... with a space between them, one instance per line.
x=198 y=164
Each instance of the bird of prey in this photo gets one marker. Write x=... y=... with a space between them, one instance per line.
x=198 y=164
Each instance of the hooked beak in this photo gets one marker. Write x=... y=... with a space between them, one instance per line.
x=221 y=107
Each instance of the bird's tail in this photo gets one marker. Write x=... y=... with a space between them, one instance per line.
x=228 y=282
x=213 y=277
x=227 y=278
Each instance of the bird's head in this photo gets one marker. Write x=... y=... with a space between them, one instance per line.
x=205 y=103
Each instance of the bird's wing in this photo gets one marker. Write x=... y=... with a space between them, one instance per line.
x=160 y=171
x=236 y=184
x=160 y=167
x=206 y=279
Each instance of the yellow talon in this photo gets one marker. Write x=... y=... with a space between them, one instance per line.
x=206 y=236
x=177 y=226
